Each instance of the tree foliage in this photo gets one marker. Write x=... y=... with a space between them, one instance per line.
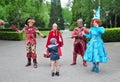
x=17 y=11
x=67 y=15
x=56 y=14
x=110 y=11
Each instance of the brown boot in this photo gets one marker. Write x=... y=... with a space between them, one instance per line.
x=29 y=62
x=35 y=63
x=74 y=59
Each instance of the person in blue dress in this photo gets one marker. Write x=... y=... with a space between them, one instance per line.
x=54 y=57
x=95 y=51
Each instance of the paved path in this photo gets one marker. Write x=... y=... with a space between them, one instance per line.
x=13 y=60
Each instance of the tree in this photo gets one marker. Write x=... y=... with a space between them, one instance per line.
x=110 y=12
x=17 y=11
x=67 y=15
x=83 y=9
x=56 y=14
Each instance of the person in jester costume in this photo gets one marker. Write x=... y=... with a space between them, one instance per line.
x=30 y=31
x=80 y=41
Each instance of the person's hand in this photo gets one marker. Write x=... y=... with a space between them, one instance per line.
x=44 y=36
x=83 y=33
x=2 y=22
x=86 y=30
x=74 y=36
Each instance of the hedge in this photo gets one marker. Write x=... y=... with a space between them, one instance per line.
x=111 y=35
x=41 y=29
x=11 y=36
x=7 y=29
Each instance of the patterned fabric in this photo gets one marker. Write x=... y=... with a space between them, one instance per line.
x=31 y=48
x=31 y=51
x=80 y=41
x=95 y=51
x=30 y=34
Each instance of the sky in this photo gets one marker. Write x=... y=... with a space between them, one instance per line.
x=63 y=2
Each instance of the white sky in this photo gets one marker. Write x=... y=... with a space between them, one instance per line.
x=63 y=2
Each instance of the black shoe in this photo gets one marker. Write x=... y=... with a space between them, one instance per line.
x=52 y=74
x=28 y=64
x=57 y=73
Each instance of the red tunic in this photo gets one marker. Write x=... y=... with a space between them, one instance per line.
x=57 y=35
x=30 y=34
x=80 y=41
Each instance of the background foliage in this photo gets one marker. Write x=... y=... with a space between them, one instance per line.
x=110 y=12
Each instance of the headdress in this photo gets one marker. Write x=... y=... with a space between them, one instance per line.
x=79 y=20
x=29 y=20
x=97 y=13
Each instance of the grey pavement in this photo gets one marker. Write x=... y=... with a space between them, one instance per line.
x=13 y=60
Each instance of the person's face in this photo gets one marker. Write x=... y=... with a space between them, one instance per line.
x=30 y=24
x=54 y=27
x=95 y=23
x=79 y=23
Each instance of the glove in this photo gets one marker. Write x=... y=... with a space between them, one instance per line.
x=14 y=27
x=44 y=36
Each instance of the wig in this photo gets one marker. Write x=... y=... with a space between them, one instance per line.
x=98 y=21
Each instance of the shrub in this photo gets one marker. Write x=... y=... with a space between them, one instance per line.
x=11 y=36
x=7 y=29
x=111 y=35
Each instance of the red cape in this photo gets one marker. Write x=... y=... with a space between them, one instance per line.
x=57 y=35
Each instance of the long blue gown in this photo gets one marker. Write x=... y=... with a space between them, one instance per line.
x=95 y=51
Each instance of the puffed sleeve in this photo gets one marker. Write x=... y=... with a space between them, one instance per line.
x=101 y=30
x=88 y=35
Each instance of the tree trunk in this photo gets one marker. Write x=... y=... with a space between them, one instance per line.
x=110 y=23
x=115 y=20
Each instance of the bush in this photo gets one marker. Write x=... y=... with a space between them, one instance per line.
x=7 y=29
x=41 y=29
x=111 y=35
x=44 y=29
x=11 y=36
